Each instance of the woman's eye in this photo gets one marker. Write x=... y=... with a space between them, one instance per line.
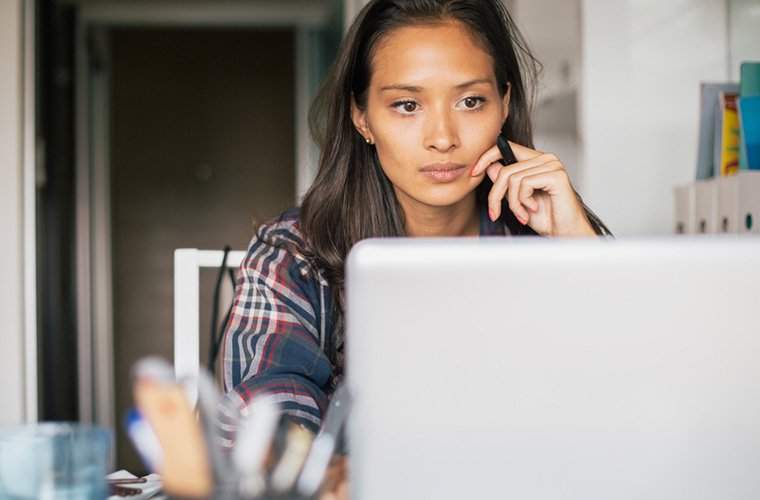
x=473 y=102
x=406 y=107
x=469 y=103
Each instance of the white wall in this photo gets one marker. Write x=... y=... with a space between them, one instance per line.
x=350 y=9
x=642 y=64
x=11 y=235
x=744 y=33
x=555 y=40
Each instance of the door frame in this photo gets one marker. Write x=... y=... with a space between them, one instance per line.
x=93 y=194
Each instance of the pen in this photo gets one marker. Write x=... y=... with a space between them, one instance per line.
x=208 y=405
x=253 y=442
x=508 y=156
x=133 y=480
x=324 y=444
x=298 y=440
x=145 y=441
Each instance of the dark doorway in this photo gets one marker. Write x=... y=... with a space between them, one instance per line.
x=202 y=149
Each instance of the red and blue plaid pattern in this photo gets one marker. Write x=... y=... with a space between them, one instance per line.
x=276 y=335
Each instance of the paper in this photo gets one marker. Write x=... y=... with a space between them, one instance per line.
x=149 y=489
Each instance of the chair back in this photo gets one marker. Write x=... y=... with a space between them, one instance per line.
x=187 y=265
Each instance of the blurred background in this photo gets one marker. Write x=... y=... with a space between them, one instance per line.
x=130 y=128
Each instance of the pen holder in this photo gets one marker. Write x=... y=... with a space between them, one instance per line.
x=227 y=451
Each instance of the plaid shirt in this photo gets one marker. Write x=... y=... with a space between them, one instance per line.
x=279 y=325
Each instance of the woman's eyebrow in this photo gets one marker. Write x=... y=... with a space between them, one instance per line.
x=415 y=88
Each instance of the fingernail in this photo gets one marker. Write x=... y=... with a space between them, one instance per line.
x=491 y=214
x=522 y=221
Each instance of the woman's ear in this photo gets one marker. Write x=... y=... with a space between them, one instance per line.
x=505 y=103
x=359 y=117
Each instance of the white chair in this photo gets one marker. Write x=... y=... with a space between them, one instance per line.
x=187 y=265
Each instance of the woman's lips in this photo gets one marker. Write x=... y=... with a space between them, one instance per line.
x=443 y=172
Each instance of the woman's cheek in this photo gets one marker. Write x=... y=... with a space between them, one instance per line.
x=481 y=141
x=399 y=147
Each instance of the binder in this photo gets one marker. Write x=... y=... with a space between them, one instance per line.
x=728 y=204
x=706 y=204
x=749 y=202
x=684 y=209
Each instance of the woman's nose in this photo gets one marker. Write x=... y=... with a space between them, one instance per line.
x=441 y=133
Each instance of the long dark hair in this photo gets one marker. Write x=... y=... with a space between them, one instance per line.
x=351 y=199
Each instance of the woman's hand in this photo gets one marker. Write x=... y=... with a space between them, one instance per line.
x=538 y=190
x=335 y=486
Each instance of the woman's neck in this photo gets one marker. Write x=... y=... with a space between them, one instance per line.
x=460 y=219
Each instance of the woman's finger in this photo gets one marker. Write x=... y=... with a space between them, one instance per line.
x=520 y=193
x=492 y=155
x=500 y=177
x=521 y=165
x=499 y=191
x=551 y=182
x=525 y=197
x=493 y=171
x=523 y=153
x=342 y=492
x=335 y=475
x=517 y=203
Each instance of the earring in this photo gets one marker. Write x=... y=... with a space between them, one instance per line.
x=369 y=141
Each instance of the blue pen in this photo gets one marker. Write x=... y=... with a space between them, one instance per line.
x=144 y=439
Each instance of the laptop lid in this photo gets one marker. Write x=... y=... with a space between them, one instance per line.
x=549 y=368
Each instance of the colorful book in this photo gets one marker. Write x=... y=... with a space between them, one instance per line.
x=750 y=88
x=706 y=156
x=749 y=121
x=728 y=131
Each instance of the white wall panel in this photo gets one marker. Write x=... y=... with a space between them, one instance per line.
x=11 y=215
x=642 y=64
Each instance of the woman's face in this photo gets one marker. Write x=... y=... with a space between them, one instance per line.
x=433 y=109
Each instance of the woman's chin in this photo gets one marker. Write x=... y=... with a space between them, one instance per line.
x=446 y=195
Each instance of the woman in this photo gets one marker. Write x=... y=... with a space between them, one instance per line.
x=407 y=122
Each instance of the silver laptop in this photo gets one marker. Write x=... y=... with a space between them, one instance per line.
x=547 y=369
